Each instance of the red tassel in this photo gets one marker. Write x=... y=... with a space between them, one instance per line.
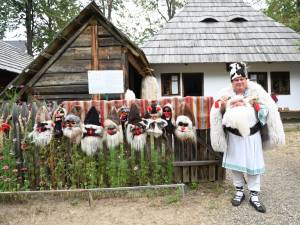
x=256 y=107
x=217 y=104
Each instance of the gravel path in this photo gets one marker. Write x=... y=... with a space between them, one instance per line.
x=210 y=204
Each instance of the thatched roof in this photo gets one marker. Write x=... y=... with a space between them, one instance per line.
x=13 y=59
x=192 y=36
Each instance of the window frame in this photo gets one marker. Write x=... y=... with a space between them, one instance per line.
x=279 y=74
x=164 y=77
x=260 y=73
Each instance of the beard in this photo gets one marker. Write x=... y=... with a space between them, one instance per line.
x=114 y=140
x=238 y=118
x=90 y=144
x=137 y=142
x=41 y=139
x=188 y=135
x=73 y=133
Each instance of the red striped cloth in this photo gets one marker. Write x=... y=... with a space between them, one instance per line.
x=200 y=107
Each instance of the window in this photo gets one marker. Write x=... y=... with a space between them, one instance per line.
x=260 y=78
x=280 y=83
x=192 y=84
x=170 y=84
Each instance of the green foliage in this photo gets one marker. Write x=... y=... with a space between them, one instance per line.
x=285 y=11
x=61 y=165
x=42 y=19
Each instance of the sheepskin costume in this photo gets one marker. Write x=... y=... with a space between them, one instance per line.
x=136 y=129
x=272 y=134
x=149 y=88
x=184 y=126
x=43 y=129
x=113 y=133
x=72 y=128
x=58 y=119
x=155 y=123
x=92 y=139
x=168 y=115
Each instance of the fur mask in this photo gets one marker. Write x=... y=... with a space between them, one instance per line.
x=42 y=133
x=113 y=134
x=136 y=135
x=72 y=129
x=239 y=113
x=184 y=130
x=156 y=127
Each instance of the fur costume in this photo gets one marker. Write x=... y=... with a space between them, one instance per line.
x=136 y=129
x=149 y=88
x=272 y=134
x=184 y=126
x=72 y=128
x=92 y=140
x=113 y=133
x=43 y=129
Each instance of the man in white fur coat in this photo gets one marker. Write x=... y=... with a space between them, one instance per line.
x=243 y=153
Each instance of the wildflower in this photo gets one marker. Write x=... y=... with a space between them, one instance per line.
x=15 y=170
x=1 y=157
x=23 y=169
x=136 y=168
x=5 y=167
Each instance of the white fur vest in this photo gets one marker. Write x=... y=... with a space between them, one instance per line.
x=272 y=134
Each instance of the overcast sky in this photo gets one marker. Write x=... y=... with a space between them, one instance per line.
x=19 y=34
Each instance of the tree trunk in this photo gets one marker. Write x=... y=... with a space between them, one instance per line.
x=29 y=25
x=109 y=9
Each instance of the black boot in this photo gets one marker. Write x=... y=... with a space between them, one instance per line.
x=239 y=196
x=254 y=201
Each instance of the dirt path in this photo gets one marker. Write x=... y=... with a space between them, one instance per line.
x=210 y=204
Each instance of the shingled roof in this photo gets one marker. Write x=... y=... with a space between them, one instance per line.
x=13 y=59
x=207 y=31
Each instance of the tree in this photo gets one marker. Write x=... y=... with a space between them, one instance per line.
x=109 y=6
x=285 y=11
x=152 y=16
x=42 y=19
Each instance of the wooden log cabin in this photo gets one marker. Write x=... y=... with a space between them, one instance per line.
x=88 y=42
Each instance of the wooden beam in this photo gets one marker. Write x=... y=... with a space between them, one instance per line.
x=135 y=64
x=196 y=163
x=55 y=56
x=125 y=68
x=94 y=44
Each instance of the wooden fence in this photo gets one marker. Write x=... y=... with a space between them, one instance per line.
x=63 y=165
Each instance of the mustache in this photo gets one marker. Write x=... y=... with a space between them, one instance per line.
x=114 y=140
x=186 y=136
x=91 y=144
x=73 y=133
x=41 y=139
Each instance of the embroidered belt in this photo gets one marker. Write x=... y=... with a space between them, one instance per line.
x=253 y=129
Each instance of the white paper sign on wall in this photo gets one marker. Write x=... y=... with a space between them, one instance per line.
x=106 y=81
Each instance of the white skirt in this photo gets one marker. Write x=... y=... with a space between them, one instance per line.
x=244 y=154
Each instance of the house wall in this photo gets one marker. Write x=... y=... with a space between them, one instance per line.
x=216 y=77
